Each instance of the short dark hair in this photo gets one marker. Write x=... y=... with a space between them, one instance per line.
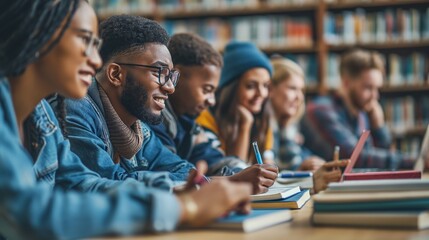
x=123 y=34
x=356 y=61
x=191 y=50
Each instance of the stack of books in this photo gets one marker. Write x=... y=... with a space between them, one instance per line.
x=400 y=203
x=254 y=221
x=281 y=198
x=269 y=209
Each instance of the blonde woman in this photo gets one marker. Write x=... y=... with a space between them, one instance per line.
x=286 y=100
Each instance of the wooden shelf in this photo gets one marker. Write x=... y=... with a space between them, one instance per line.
x=416 y=131
x=289 y=49
x=405 y=89
x=374 y=4
x=239 y=11
x=223 y=12
x=316 y=12
x=311 y=91
x=381 y=46
x=103 y=16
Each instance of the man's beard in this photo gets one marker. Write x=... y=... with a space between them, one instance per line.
x=135 y=98
x=357 y=103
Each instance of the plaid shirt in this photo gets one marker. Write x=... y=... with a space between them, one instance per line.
x=328 y=123
x=288 y=151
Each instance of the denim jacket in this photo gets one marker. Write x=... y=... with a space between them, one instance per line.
x=89 y=137
x=47 y=193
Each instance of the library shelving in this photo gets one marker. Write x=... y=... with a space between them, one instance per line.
x=315 y=33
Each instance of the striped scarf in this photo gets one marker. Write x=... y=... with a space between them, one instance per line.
x=126 y=141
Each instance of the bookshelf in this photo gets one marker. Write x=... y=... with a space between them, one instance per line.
x=314 y=33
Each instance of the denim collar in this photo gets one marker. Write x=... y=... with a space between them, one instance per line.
x=41 y=121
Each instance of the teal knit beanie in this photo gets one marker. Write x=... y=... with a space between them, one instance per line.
x=239 y=57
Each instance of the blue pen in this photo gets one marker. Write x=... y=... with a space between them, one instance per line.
x=295 y=175
x=257 y=154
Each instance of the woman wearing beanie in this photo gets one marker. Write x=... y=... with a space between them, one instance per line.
x=240 y=116
x=286 y=100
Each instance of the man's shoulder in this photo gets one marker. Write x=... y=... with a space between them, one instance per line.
x=326 y=100
x=324 y=103
x=84 y=107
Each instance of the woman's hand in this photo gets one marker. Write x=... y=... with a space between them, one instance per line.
x=260 y=176
x=246 y=117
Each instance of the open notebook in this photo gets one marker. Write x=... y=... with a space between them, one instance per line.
x=275 y=194
x=370 y=175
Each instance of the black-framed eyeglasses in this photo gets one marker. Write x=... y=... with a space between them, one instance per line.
x=90 y=40
x=164 y=73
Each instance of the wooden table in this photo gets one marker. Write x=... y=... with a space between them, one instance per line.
x=299 y=228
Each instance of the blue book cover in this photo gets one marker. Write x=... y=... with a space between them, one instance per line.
x=256 y=220
x=407 y=204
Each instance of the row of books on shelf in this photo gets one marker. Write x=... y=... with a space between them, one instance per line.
x=410 y=145
x=359 y=26
x=399 y=203
x=405 y=113
x=167 y=6
x=308 y=63
x=411 y=69
x=408 y=69
x=113 y=7
x=193 y=5
x=266 y=31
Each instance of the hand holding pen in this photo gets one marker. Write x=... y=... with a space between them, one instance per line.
x=196 y=178
x=261 y=176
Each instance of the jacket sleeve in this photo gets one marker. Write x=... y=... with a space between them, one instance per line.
x=34 y=210
x=162 y=159
x=84 y=129
x=161 y=132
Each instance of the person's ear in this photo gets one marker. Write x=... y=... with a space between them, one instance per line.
x=181 y=69
x=115 y=74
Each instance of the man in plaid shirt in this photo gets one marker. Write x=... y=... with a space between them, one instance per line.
x=341 y=118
